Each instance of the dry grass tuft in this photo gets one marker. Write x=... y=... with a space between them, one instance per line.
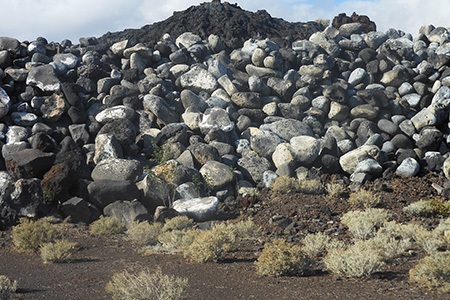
x=335 y=190
x=286 y=184
x=178 y=223
x=146 y=285
x=314 y=245
x=144 y=233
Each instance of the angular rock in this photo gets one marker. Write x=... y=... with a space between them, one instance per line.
x=129 y=212
x=408 y=168
x=159 y=107
x=27 y=197
x=199 y=209
x=253 y=166
x=5 y=103
x=305 y=149
x=198 y=79
x=216 y=174
x=44 y=77
x=29 y=163
x=350 y=160
x=104 y=192
x=117 y=169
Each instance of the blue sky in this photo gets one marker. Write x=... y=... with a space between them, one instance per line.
x=72 y=19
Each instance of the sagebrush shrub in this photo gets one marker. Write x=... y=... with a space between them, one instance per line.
x=433 y=272
x=30 y=235
x=435 y=206
x=335 y=190
x=285 y=184
x=364 y=224
x=315 y=244
x=144 y=233
x=212 y=245
x=7 y=287
x=429 y=240
x=146 y=285
x=358 y=260
x=308 y=186
x=178 y=223
x=280 y=258
x=387 y=246
x=363 y=199
x=58 y=251
x=107 y=226
x=443 y=229
x=177 y=240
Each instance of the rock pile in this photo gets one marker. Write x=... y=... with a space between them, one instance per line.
x=186 y=124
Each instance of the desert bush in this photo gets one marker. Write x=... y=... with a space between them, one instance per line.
x=280 y=258
x=364 y=224
x=30 y=235
x=244 y=230
x=443 y=229
x=433 y=272
x=355 y=261
x=58 y=251
x=429 y=240
x=335 y=190
x=285 y=184
x=146 y=286
x=178 y=223
x=175 y=240
x=315 y=244
x=310 y=186
x=363 y=199
x=211 y=245
x=435 y=206
x=387 y=246
x=144 y=233
x=7 y=287
x=106 y=226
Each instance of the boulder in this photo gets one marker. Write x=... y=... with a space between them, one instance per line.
x=117 y=169
x=199 y=209
x=104 y=192
x=129 y=212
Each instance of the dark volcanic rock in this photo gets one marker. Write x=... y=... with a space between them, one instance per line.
x=231 y=23
x=366 y=23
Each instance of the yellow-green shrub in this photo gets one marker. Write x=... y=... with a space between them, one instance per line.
x=364 y=199
x=30 y=235
x=106 y=226
x=58 y=251
x=146 y=285
x=433 y=272
x=7 y=287
x=364 y=224
x=280 y=258
x=144 y=233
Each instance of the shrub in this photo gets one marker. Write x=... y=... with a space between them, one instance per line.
x=144 y=233
x=358 y=260
x=285 y=184
x=364 y=199
x=176 y=240
x=146 y=285
x=7 y=287
x=433 y=206
x=178 y=223
x=58 y=251
x=280 y=258
x=387 y=246
x=244 y=230
x=433 y=272
x=364 y=224
x=210 y=245
x=311 y=186
x=335 y=190
x=315 y=244
x=30 y=235
x=443 y=229
x=106 y=226
x=429 y=240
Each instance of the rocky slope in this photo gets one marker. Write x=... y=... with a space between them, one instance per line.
x=122 y=128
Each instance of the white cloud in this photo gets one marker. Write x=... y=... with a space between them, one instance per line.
x=59 y=19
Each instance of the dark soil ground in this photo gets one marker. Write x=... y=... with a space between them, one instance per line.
x=288 y=215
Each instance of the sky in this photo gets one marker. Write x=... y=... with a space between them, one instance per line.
x=57 y=20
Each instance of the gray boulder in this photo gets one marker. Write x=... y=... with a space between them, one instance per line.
x=253 y=166
x=5 y=103
x=105 y=191
x=408 y=168
x=128 y=212
x=44 y=77
x=350 y=160
x=305 y=149
x=199 y=209
x=117 y=169
x=216 y=174
x=198 y=79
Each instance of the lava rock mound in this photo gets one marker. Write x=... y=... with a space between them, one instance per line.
x=230 y=22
